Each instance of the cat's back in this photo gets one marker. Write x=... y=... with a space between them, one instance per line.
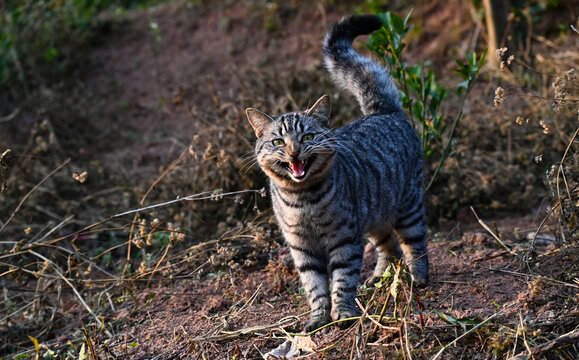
x=379 y=162
x=381 y=138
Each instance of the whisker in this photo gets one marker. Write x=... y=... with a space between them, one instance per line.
x=245 y=158
x=245 y=169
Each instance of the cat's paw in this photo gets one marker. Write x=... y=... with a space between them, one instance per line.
x=315 y=322
x=419 y=272
x=369 y=283
x=420 y=280
x=341 y=314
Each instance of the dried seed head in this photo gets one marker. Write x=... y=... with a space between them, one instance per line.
x=143 y=268
x=560 y=93
x=81 y=178
x=172 y=234
x=139 y=243
x=546 y=127
x=155 y=224
x=499 y=96
x=88 y=269
x=499 y=53
x=207 y=153
x=559 y=83
x=143 y=228
x=510 y=59
x=262 y=192
x=217 y=195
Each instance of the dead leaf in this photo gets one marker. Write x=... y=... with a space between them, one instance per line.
x=122 y=314
x=292 y=348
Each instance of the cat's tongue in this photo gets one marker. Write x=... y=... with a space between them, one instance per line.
x=298 y=168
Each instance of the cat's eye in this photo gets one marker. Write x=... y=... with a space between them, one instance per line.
x=308 y=137
x=278 y=142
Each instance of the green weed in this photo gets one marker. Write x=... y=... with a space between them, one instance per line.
x=421 y=94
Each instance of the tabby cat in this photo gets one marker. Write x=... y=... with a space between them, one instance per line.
x=330 y=188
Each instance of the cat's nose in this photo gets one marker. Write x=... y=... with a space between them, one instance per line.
x=294 y=154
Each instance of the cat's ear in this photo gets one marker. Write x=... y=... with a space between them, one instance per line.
x=321 y=110
x=258 y=120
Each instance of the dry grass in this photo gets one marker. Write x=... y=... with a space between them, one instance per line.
x=83 y=240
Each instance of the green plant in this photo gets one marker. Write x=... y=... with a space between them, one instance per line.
x=40 y=40
x=421 y=95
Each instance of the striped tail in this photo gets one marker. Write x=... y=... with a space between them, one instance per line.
x=368 y=81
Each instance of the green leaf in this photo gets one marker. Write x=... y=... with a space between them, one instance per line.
x=397 y=23
x=471 y=58
x=465 y=323
x=418 y=108
x=446 y=318
x=429 y=153
x=469 y=323
x=482 y=59
x=408 y=16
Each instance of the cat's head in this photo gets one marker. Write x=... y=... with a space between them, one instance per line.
x=295 y=147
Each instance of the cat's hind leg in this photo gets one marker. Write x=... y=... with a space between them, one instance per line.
x=411 y=231
x=387 y=250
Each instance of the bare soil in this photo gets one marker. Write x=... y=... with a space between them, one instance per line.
x=248 y=313
x=229 y=291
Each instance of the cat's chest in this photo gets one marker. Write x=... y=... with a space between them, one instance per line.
x=307 y=207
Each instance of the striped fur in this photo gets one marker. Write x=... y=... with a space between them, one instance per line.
x=330 y=188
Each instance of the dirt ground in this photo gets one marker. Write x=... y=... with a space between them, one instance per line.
x=248 y=314
x=228 y=290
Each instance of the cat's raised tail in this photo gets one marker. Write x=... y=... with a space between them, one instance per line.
x=368 y=81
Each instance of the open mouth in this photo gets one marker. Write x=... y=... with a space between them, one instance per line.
x=298 y=168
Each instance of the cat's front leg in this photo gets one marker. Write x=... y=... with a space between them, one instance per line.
x=312 y=268
x=345 y=264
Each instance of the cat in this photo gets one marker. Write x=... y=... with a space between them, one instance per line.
x=330 y=188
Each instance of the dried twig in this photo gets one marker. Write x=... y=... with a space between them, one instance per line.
x=31 y=191
x=160 y=260
x=144 y=197
x=487 y=228
x=10 y=116
x=55 y=228
x=558 y=282
x=471 y=330
x=48 y=326
x=195 y=197
x=80 y=298
x=245 y=331
x=89 y=342
x=565 y=339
